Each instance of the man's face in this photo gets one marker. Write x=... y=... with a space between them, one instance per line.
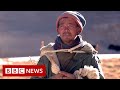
x=68 y=29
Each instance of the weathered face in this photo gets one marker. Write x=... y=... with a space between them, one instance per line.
x=68 y=29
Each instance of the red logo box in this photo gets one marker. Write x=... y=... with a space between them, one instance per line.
x=24 y=70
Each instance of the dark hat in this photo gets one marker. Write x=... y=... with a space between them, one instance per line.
x=79 y=18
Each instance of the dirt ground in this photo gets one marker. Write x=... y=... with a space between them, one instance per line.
x=111 y=68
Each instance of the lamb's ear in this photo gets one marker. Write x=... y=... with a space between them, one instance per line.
x=42 y=44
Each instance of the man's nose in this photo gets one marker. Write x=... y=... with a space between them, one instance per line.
x=66 y=28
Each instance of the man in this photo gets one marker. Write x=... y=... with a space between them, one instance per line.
x=70 y=57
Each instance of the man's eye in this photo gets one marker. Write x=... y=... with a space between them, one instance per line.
x=70 y=25
x=61 y=26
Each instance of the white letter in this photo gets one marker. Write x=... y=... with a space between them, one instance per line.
x=28 y=71
x=21 y=70
x=14 y=70
x=7 y=70
x=36 y=70
x=41 y=70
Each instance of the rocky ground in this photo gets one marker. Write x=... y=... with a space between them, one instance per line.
x=111 y=68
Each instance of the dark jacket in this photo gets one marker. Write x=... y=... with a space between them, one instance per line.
x=70 y=62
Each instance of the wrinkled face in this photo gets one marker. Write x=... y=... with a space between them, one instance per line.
x=68 y=30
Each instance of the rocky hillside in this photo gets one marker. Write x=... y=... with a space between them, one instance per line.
x=103 y=28
x=22 y=31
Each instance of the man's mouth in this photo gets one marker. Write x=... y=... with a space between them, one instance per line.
x=67 y=34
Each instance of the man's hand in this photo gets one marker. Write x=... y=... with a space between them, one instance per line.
x=63 y=75
x=57 y=76
x=67 y=75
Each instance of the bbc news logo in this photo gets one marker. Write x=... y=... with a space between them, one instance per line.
x=24 y=70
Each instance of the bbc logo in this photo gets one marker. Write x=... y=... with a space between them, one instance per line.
x=24 y=70
x=15 y=70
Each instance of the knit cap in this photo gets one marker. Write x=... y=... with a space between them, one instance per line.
x=78 y=17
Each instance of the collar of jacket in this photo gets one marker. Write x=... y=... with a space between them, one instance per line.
x=60 y=45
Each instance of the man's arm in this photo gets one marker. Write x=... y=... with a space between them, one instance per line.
x=96 y=63
x=43 y=61
x=91 y=68
x=49 y=75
